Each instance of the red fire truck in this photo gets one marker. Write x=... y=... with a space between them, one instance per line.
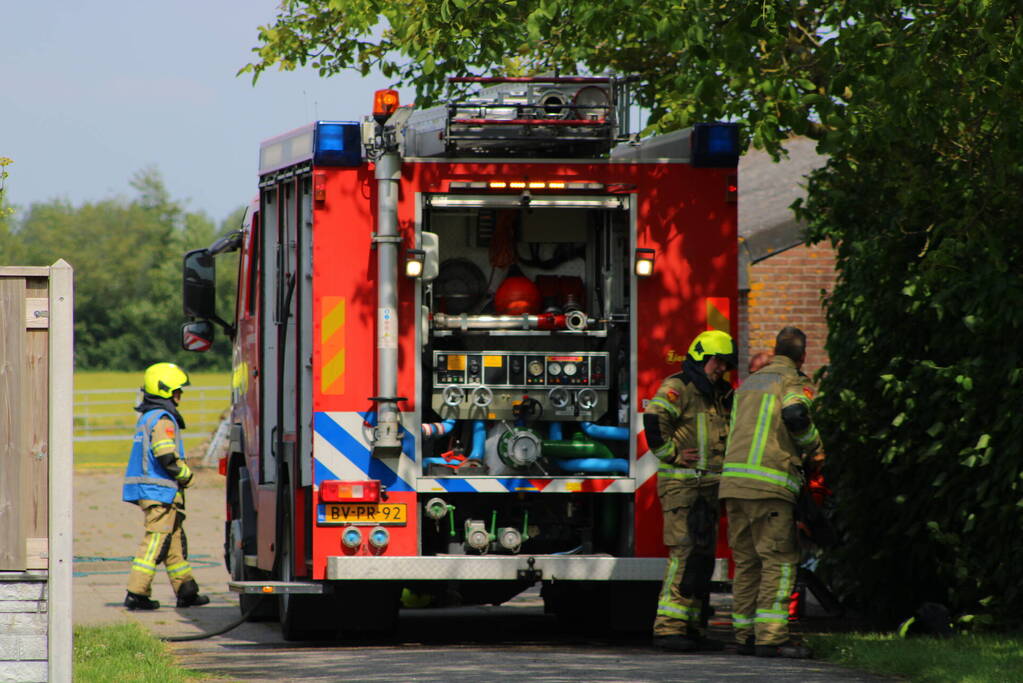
x=448 y=322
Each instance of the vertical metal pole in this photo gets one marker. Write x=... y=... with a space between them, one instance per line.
x=387 y=436
x=61 y=469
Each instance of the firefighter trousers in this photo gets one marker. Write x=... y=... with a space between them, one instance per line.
x=762 y=534
x=164 y=543
x=687 y=575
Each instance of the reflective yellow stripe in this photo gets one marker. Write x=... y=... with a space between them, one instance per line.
x=765 y=474
x=666 y=453
x=701 y=440
x=669 y=578
x=185 y=473
x=801 y=398
x=674 y=610
x=667 y=405
x=781 y=596
x=144 y=567
x=759 y=443
x=807 y=438
x=154 y=546
x=741 y=620
x=672 y=472
x=179 y=568
x=767 y=616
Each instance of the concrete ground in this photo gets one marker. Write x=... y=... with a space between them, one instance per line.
x=513 y=642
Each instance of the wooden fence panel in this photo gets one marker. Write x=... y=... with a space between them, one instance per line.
x=12 y=353
x=35 y=456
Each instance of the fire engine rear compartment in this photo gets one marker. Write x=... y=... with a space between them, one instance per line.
x=522 y=466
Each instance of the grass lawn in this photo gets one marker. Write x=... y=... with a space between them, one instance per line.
x=968 y=658
x=125 y=652
x=105 y=419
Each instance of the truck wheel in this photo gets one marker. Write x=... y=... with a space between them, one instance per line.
x=302 y=617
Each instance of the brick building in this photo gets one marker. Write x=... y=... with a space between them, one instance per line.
x=780 y=279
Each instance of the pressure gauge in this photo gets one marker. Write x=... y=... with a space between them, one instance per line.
x=535 y=368
x=554 y=369
x=570 y=369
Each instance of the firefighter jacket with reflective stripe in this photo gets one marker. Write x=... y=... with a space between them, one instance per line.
x=681 y=416
x=764 y=454
x=146 y=478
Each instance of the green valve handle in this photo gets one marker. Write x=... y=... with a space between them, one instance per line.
x=451 y=518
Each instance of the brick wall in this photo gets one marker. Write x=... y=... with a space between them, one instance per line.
x=785 y=289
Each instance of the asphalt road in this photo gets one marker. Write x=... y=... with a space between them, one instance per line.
x=513 y=642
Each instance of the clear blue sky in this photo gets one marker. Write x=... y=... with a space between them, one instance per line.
x=91 y=92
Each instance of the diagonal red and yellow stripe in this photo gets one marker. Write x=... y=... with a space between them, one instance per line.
x=719 y=314
x=332 y=345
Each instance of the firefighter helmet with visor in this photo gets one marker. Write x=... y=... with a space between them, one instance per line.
x=163 y=379
x=714 y=343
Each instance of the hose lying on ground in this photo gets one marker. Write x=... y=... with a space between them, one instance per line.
x=234 y=624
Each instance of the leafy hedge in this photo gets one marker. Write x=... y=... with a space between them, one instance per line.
x=922 y=406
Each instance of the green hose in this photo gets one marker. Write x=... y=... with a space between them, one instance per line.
x=579 y=447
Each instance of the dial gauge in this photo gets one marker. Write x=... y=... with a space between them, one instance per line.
x=570 y=369
x=554 y=369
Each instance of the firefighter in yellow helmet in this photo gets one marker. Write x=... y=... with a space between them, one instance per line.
x=686 y=425
x=772 y=439
x=155 y=479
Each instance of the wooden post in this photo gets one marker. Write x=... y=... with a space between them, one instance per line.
x=61 y=471
x=12 y=343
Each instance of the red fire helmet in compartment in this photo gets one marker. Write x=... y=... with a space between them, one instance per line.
x=517 y=294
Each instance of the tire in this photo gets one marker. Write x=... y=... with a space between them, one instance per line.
x=302 y=617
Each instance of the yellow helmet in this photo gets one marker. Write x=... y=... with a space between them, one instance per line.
x=714 y=343
x=163 y=379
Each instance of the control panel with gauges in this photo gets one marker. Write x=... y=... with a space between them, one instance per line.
x=492 y=385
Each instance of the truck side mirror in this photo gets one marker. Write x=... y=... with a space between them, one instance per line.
x=197 y=335
x=199 y=280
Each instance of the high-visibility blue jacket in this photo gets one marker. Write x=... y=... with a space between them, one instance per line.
x=145 y=478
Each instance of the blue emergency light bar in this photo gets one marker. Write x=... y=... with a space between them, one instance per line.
x=325 y=143
x=715 y=145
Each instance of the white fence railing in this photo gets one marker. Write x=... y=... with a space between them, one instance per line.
x=109 y=415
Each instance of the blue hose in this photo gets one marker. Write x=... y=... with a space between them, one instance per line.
x=432 y=429
x=594 y=465
x=479 y=439
x=555 y=433
x=605 y=431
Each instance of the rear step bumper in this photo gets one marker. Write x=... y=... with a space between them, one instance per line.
x=505 y=568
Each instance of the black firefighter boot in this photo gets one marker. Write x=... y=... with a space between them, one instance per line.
x=188 y=595
x=134 y=601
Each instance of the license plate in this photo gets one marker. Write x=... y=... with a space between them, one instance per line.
x=365 y=513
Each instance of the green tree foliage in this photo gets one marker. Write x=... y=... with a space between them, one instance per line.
x=7 y=242
x=917 y=106
x=126 y=254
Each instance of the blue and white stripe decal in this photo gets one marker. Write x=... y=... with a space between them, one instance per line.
x=341 y=451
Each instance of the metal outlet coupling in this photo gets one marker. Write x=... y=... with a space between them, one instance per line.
x=476 y=536
x=436 y=508
x=510 y=539
x=575 y=320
